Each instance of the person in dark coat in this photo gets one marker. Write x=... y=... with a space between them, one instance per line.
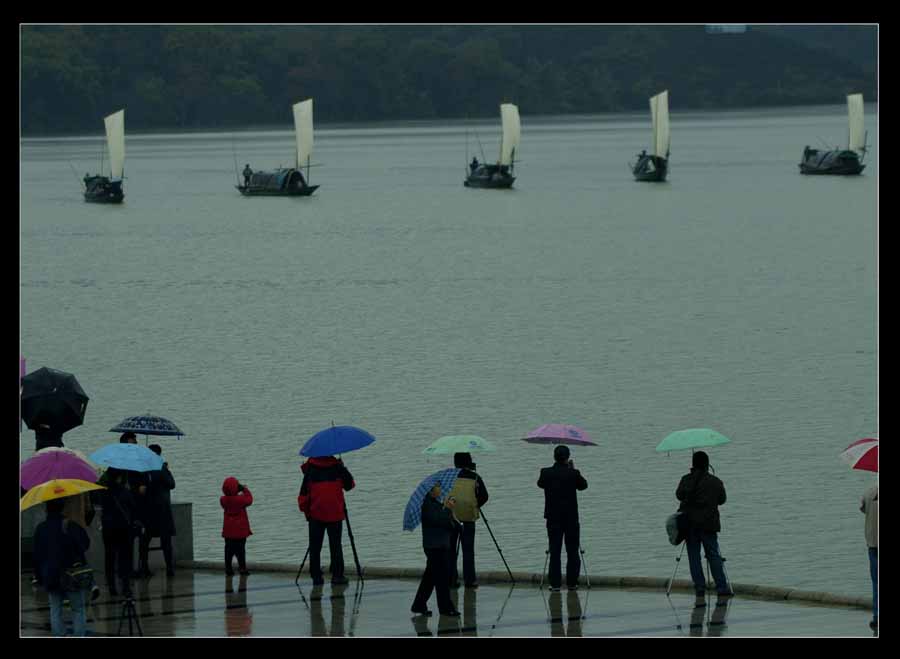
x=120 y=524
x=560 y=483
x=158 y=519
x=437 y=525
x=45 y=437
x=701 y=494
x=236 y=524
x=470 y=494
x=247 y=174
x=321 y=499
x=59 y=545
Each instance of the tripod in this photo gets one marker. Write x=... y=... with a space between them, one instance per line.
x=130 y=613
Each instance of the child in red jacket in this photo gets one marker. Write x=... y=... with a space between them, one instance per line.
x=236 y=526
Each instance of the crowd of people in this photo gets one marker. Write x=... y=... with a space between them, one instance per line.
x=136 y=505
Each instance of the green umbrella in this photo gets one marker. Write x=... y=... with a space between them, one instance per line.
x=459 y=444
x=691 y=438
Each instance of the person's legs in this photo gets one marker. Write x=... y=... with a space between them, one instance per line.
x=441 y=574
x=336 y=550
x=78 y=600
x=124 y=555
x=573 y=555
x=711 y=546
x=109 y=561
x=57 y=626
x=241 y=552
x=693 y=550
x=468 y=552
x=873 y=571
x=426 y=585
x=144 y=553
x=453 y=557
x=555 y=536
x=316 y=537
x=229 y=555
x=165 y=541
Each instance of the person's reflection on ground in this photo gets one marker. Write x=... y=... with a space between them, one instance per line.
x=470 y=617
x=556 y=615
x=697 y=615
x=420 y=625
x=317 y=621
x=338 y=602
x=573 y=608
x=142 y=601
x=717 y=624
x=238 y=619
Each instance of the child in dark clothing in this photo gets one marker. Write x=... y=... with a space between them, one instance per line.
x=236 y=525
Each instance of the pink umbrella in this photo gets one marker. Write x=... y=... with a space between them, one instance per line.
x=55 y=463
x=557 y=433
x=862 y=454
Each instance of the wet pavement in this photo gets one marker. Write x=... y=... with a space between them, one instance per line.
x=208 y=603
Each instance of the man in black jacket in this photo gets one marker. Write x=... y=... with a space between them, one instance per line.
x=470 y=494
x=157 y=515
x=560 y=484
x=701 y=494
x=437 y=524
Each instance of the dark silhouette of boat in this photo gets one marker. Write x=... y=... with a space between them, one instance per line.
x=287 y=181
x=100 y=189
x=841 y=162
x=499 y=175
x=654 y=166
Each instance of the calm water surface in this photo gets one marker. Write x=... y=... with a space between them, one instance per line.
x=739 y=296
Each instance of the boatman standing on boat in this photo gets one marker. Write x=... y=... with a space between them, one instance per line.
x=474 y=164
x=247 y=174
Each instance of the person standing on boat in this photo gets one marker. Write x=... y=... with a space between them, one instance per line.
x=247 y=174
x=474 y=165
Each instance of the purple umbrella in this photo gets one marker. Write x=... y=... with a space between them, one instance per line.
x=558 y=433
x=55 y=464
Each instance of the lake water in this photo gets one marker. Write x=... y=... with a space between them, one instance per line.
x=739 y=296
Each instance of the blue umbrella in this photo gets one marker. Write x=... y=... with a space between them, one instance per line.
x=148 y=425
x=336 y=440
x=132 y=457
x=412 y=516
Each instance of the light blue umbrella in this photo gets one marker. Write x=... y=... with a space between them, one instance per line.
x=131 y=457
x=412 y=516
x=459 y=444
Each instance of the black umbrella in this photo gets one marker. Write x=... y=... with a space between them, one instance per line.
x=52 y=401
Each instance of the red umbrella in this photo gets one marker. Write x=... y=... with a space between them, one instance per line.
x=862 y=454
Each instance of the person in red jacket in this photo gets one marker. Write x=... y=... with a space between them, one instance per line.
x=236 y=526
x=321 y=499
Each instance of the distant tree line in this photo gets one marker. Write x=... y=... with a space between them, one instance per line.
x=239 y=76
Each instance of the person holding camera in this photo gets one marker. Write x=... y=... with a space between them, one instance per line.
x=561 y=483
x=437 y=525
x=120 y=526
x=470 y=494
x=236 y=525
x=157 y=515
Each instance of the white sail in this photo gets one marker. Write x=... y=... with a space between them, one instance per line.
x=303 y=127
x=512 y=131
x=659 y=109
x=857 y=126
x=115 y=140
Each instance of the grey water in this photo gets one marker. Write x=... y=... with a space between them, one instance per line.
x=739 y=296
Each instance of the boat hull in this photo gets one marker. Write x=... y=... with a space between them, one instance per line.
x=834 y=163
x=290 y=192
x=100 y=190
x=494 y=177
x=652 y=169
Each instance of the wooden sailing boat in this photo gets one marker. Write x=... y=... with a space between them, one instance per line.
x=654 y=166
x=844 y=162
x=108 y=189
x=288 y=182
x=483 y=175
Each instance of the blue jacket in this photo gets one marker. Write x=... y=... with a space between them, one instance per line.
x=57 y=549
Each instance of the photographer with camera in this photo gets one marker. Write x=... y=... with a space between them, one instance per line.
x=236 y=525
x=561 y=483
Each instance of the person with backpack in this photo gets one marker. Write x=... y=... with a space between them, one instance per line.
x=701 y=494
x=60 y=544
x=470 y=494
x=321 y=499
